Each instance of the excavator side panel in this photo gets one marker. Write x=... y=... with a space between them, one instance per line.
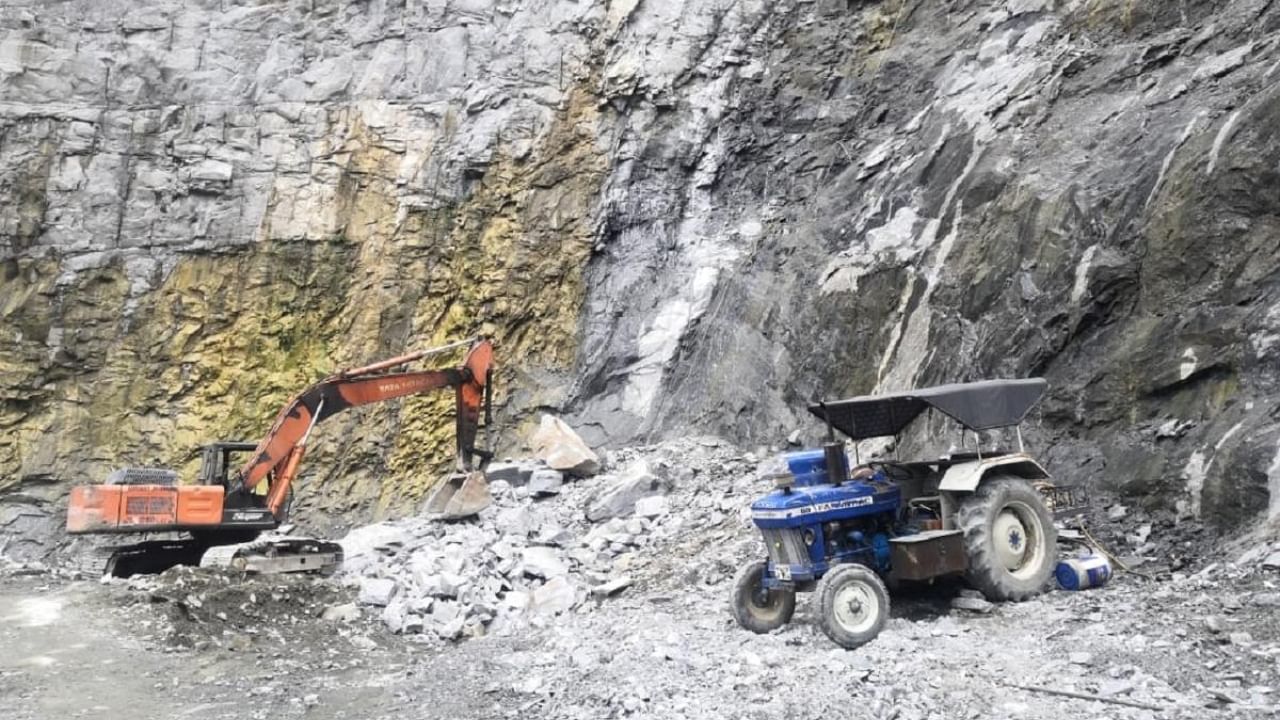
x=94 y=508
x=134 y=508
x=200 y=505
x=121 y=508
x=149 y=506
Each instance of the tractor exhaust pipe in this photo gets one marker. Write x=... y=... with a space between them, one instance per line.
x=837 y=460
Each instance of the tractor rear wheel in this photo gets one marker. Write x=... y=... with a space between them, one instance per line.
x=852 y=605
x=1009 y=538
x=757 y=608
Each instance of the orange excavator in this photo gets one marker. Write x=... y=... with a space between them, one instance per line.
x=224 y=516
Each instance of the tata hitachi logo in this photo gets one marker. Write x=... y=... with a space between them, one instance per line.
x=397 y=386
x=248 y=516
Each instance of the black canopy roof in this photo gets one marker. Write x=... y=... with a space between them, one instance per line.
x=976 y=405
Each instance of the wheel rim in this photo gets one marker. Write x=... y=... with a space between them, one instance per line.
x=761 y=601
x=856 y=607
x=1017 y=538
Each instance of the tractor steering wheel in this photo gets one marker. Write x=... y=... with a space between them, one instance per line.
x=892 y=470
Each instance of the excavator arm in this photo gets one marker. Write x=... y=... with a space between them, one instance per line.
x=279 y=454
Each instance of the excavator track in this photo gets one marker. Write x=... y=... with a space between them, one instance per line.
x=91 y=563
x=276 y=554
x=272 y=554
x=151 y=557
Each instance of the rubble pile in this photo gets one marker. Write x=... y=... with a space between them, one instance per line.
x=1151 y=543
x=552 y=543
x=621 y=580
x=206 y=609
x=1136 y=648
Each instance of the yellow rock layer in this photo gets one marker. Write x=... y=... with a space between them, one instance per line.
x=226 y=339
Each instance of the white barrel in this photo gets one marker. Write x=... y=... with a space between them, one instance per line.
x=1082 y=573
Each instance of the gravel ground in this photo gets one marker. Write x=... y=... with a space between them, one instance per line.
x=1195 y=637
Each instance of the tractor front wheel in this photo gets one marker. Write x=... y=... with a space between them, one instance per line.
x=757 y=608
x=1009 y=539
x=851 y=604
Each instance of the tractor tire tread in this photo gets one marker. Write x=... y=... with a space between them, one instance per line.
x=975 y=517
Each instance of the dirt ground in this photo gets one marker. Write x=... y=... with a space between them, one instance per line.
x=80 y=649
x=209 y=646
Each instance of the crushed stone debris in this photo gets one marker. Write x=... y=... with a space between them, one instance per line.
x=612 y=617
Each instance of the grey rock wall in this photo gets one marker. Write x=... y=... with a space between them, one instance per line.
x=896 y=194
x=161 y=128
x=766 y=202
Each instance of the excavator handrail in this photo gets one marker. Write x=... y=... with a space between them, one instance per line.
x=405 y=359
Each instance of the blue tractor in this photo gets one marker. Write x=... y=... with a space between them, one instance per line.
x=842 y=534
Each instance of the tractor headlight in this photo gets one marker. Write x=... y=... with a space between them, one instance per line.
x=809 y=536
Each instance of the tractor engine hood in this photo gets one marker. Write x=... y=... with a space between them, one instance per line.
x=809 y=505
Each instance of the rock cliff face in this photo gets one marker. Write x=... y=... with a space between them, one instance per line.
x=670 y=215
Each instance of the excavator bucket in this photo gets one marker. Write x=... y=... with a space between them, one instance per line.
x=462 y=494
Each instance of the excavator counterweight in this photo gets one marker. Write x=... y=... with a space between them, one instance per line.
x=225 y=513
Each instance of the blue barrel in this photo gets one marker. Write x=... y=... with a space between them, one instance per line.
x=1084 y=572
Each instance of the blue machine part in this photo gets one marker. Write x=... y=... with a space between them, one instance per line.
x=808 y=466
x=877 y=548
x=802 y=506
x=792 y=521
x=804 y=552
x=880 y=545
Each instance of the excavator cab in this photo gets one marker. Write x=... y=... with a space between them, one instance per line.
x=216 y=461
x=243 y=509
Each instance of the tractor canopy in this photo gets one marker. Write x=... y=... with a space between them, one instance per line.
x=977 y=406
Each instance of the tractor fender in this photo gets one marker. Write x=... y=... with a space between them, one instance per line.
x=965 y=476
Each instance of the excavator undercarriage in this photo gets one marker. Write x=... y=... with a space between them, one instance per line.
x=276 y=554
x=230 y=518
